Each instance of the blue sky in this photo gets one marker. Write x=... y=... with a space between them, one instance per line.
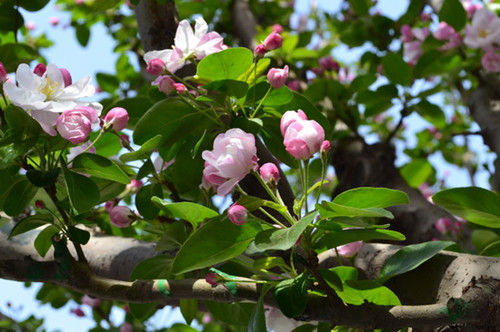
x=98 y=57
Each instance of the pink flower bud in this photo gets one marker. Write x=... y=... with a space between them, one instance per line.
x=75 y=125
x=270 y=173
x=40 y=69
x=134 y=185
x=443 y=225
x=303 y=138
x=406 y=33
x=289 y=117
x=318 y=71
x=3 y=73
x=420 y=33
x=121 y=216
x=66 y=76
x=260 y=50
x=325 y=147
x=425 y=17
x=491 y=61
x=180 y=88
x=278 y=28
x=327 y=63
x=212 y=278
x=165 y=84
x=444 y=31
x=349 y=249
x=237 y=214
x=30 y=26
x=294 y=85
x=54 y=20
x=109 y=205
x=77 y=312
x=117 y=118
x=126 y=327
x=277 y=77
x=39 y=204
x=273 y=41
x=124 y=140
x=155 y=67
x=92 y=302
x=207 y=318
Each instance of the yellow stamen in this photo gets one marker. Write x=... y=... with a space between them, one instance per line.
x=49 y=88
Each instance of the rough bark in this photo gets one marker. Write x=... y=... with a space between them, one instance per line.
x=157 y=23
x=358 y=164
x=244 y=23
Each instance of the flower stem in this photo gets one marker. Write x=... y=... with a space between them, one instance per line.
x=323 y=169
x=260 y=103
x=101 y=132
x=271 y=217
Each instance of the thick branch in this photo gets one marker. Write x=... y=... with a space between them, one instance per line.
x=157 y=23
x=244 y=22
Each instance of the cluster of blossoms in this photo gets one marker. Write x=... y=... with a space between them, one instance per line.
x=449 y=226
x=483 y=33
x=49 y=95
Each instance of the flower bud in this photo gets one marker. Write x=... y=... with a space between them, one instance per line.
x=325 y=147
x=294 y=85
x=134 y=185
x=318 y=71
x=277 y=77
x=117 y=118
x=443 y=225
x=180 y=88
x=327 y=63
x=212 y=278
x=124 y=140
x=237 y=214
x=425 y=17
x=406 y=33
x=109 y=205
x=30 y=26
x=165 y=84
x=273 y=41
x=75 y=125
x=491 y=61
x=349 y=249
x=66 y=76
x=278 y=28
x=303 y=138
x=54 y=20
x=270 y=173
x=78 y=312
x=92 y=302
x=155 y=67
x=3 y=73
x=289 y=117
x=39 y=204
x=260 y=50
x=121 y=216
x=40 y=69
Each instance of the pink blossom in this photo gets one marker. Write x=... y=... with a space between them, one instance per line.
x=54 y=20
x=273 y=41
x=109 y=205
x=277 y=77
x=327 y=63
x=491 y=61
x=92 y=302
x=420 y=33
x=443 y=225
x=471 y=8
x=260 y=50
x=303 y=138
x=270 y=173
x=485 y=30
x=289 y=117
x=66 y=76
x=155 y=67
x=446 y=32
x=278 y=28
x=425 y=17
x=234 y=155
x=120 y=216
x=126 y=327
x=30 y=26
x=294 y=85
x=180 y=88
x=349 y=249
x=412 y=51
x=207 y=318
x=345 y=76
x=75 y=125
x=77 y=312
x=237 y=214
x=212 y=279
x=134 y=185
x=165 y=84
x=325 y=147
x=318 y=71
x=40 y=69
x=116 y=118
x=3 y=73
x=406 y=33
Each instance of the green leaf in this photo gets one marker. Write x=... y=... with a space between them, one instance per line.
x=278 y=97
x=217 y=241
x=453 y=13
x=15 y=54
x=335 y=239
x=267 y=263
x=144 y=151
x=18 y=197
x=410 y=257
x=99 y=166
x=10 y=18
x=189 y=309
x=43 y=179
x=172 y=118
x=257 y=321
x=225 y=65
x=79 y=235
x=493 y=249
x=143 y=202
x=152 y=268
x=431 y=113
x=43 y=241
x=361 y=7
x=107 y=82
x=333 y=210
x=231 y=313
x=142 y=311
x=33 y=5
x=474 y=204
x=83 y=35
x=191 y=212
x=416 y=172
x=102 y=5
x=30 y=223
x=82 y=191
x=282 y=239
x=291 y=295
x=234 y=88
x=252 y=203
x=371 y=197
x=396 y=69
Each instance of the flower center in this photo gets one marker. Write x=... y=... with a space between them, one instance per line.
x=49 y=88
x=483 y=33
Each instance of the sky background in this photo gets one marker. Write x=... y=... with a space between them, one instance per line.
x=98 y=56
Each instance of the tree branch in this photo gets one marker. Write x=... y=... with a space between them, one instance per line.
x=244 y=23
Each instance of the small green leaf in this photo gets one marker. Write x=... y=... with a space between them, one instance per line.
x=234 y=88
x=142 y=311
x=107 y=82
x=189 y=309
x=257 y=321
x=396 y=69
x=267 y=263
x=371 y=197
x=43 y=241
x=474 y=204
x=335 y=239
x=43 y=179
x=416 y=172
x=216 y=241
x=191 y=212
x=145 y=206
x=33 y=5
x=410 y=257
x=278 y=97
x=431 y=112
x=291 y=295
x=82 y=191
x=333 y=210
x=99 y=166
x=15 y=54
x=78 y=235
x=82 y=34
x=30 y=223
x=18 y=197
x=235 y=313
x=453 y=13
x=144 y=151
x=225 y=65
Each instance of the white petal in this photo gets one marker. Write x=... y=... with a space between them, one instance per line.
x=47 y=120
x=56 y=78
x=163 y=55
x=26 y=99
x=200 y=28
x=59 y=106
x=77 y=90
x=184 y=37
x=27 y=79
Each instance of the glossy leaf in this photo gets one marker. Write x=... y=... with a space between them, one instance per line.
x=152 y=268
x=453 y=13
x=189 y=309
x=191 y=212
x=396 y=69
x=416 y=172
x=257 y=321
x=43 y=241
x=147 y=208
x=335 y=239
x=371 y=197
x=18 y=197
x=291 y=295
x=225 y=65
x=99 y=166
x=82 y=191
x=30 y=223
